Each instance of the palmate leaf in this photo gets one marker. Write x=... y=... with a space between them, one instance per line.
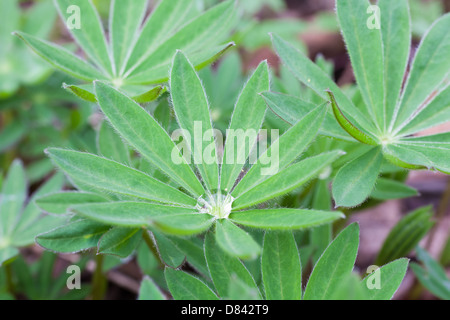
x=184 y=286
x=114 y=194
x=127 y=56
x=379 y=58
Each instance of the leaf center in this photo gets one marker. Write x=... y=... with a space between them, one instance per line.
x=218 y=205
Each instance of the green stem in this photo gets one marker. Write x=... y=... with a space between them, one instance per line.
x=99 y=282
x=440 y=213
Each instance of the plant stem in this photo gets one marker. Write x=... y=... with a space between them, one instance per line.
x=440 y=213
x=98 y=279
x=151 y=246
x=9 y=278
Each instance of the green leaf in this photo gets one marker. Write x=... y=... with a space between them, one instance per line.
x=150 y=95
x=334 y=265
x=209 y=28
x=183 y=286
x=286 y=149
x=365 y=48
x=61 y=58
x=149 y=290
x=433 y=276
x=192 y=249
x=347 y=125
x=284 y=219
x=125 y=20
x=286 y=180
x=59 y=203
x=130 y=214
x=223 y=267
x=433 y=114
x=405 y=235
x=111 y=146
x=239 y=290
x=120 y=242
x=387 y=189
x=111 y=176
x=429 y=70
x=248 y=117
x=389 y=278
x=185 y=224
x=235 y=241
x=291 y=109
x=168 y=251
x=135 y=125
x=321 y=237
x=90 y=36
x=12 y=197
x=315 y=78
x=80 y=92
x=355 y=181
x=395 y=25
x=73 y=237
x=281 y=267
x=192 y=111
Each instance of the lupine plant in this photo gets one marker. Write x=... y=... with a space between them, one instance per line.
x=137 y=53
x=193 y=174
x=199 y=196
x=387 y=112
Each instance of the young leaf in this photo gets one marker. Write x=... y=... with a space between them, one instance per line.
x=433 y=276
x=355 y=181
x=192 y=110
x=334 y=265
x=120 y=242
x=284 y=219
x=389 y=276
x=405 y=236
x=114 y=177
x=183 y=286
x=149 y=290
x=287 y=149
x=222 y=267
x=73 y=237
x=365 y=49
x=235 y=241
x=247 y=117
x=281 y=268
x=136 y=128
